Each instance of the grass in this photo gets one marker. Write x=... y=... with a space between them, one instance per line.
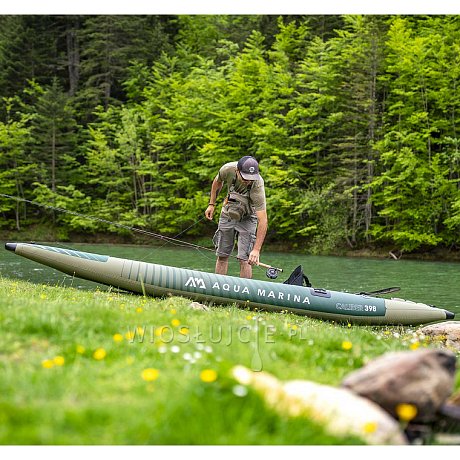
x=102 y=367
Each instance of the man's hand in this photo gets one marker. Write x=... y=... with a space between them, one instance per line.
x=262 y=224
x=254 y=257
x=216 y=187
x=209 y=213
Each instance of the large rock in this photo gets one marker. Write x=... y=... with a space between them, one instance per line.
x=338 y=410
x=447 y=333
x=422 y=378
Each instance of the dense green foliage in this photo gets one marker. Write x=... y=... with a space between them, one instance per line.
x=128 y=118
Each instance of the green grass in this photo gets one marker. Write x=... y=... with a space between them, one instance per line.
x=107 y=401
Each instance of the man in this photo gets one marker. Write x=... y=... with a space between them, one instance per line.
x=243 y=214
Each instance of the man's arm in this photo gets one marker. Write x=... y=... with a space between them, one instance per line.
x=262 y=225
x=216 y=187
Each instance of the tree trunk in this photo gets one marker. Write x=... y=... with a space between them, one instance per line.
x=73 y=56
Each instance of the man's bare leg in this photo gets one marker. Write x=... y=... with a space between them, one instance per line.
x=221 y=265
x=245 y=269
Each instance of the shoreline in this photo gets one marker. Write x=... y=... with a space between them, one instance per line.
x=44 y=234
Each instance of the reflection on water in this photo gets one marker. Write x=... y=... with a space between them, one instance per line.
x=429 y=282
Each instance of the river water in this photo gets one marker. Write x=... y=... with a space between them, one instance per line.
x=434 y=283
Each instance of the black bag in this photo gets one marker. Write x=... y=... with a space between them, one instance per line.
x=298 y=278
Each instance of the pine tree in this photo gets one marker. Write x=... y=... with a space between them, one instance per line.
x=53 y=134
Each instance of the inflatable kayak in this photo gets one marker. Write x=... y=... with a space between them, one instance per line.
x=160 y=280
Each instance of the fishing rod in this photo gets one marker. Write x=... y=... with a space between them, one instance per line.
x=272 y=272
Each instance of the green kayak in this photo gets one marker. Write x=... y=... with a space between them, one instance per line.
x=161 y=280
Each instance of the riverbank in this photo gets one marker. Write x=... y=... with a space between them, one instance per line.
x=103 y=367
x=47 y=233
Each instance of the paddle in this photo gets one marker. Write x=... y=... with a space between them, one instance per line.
x=380 y=291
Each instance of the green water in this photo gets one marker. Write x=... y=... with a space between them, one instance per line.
x=434 y=283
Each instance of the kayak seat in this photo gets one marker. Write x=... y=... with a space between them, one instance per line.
x=298 y=278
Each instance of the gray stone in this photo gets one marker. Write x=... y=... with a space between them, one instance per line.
x=447 y=333
x=421 y=378
x=198 y=306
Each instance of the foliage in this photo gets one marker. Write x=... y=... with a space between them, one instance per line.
x=414 y=191
x=16 y=169
x=352 y=118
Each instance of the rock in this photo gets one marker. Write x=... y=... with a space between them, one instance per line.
x=338 y=410
x=198 y=306
x=402 y=381
x=447 y=333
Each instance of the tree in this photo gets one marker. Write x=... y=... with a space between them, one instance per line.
x=53 y=134
x=414 y=189
x=108 y=45
x=360 y=53
x=16 y=169
x=28 y=51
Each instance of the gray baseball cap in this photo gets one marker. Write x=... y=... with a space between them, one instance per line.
x=249 y=168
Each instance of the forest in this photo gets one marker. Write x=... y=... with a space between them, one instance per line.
x=127 y=118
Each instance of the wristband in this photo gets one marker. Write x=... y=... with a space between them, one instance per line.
x=211 y=204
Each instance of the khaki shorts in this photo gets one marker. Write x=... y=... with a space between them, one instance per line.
x=229 y=230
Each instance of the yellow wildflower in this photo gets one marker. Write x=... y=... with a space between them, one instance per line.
x=370 y=427
x=159 y=330
x=173 y=311
x=117 y=338
x=175 y=322
x=99 y=354
x=208 y=375
x=347 y=345
x=140 y=330
x=129 y=335
x=149 y=375
x=139 y=310
x=184 y=330
x=47 y=363
x=58 y=361
x=414 y=346
x=80 y=349
x=406 y=412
